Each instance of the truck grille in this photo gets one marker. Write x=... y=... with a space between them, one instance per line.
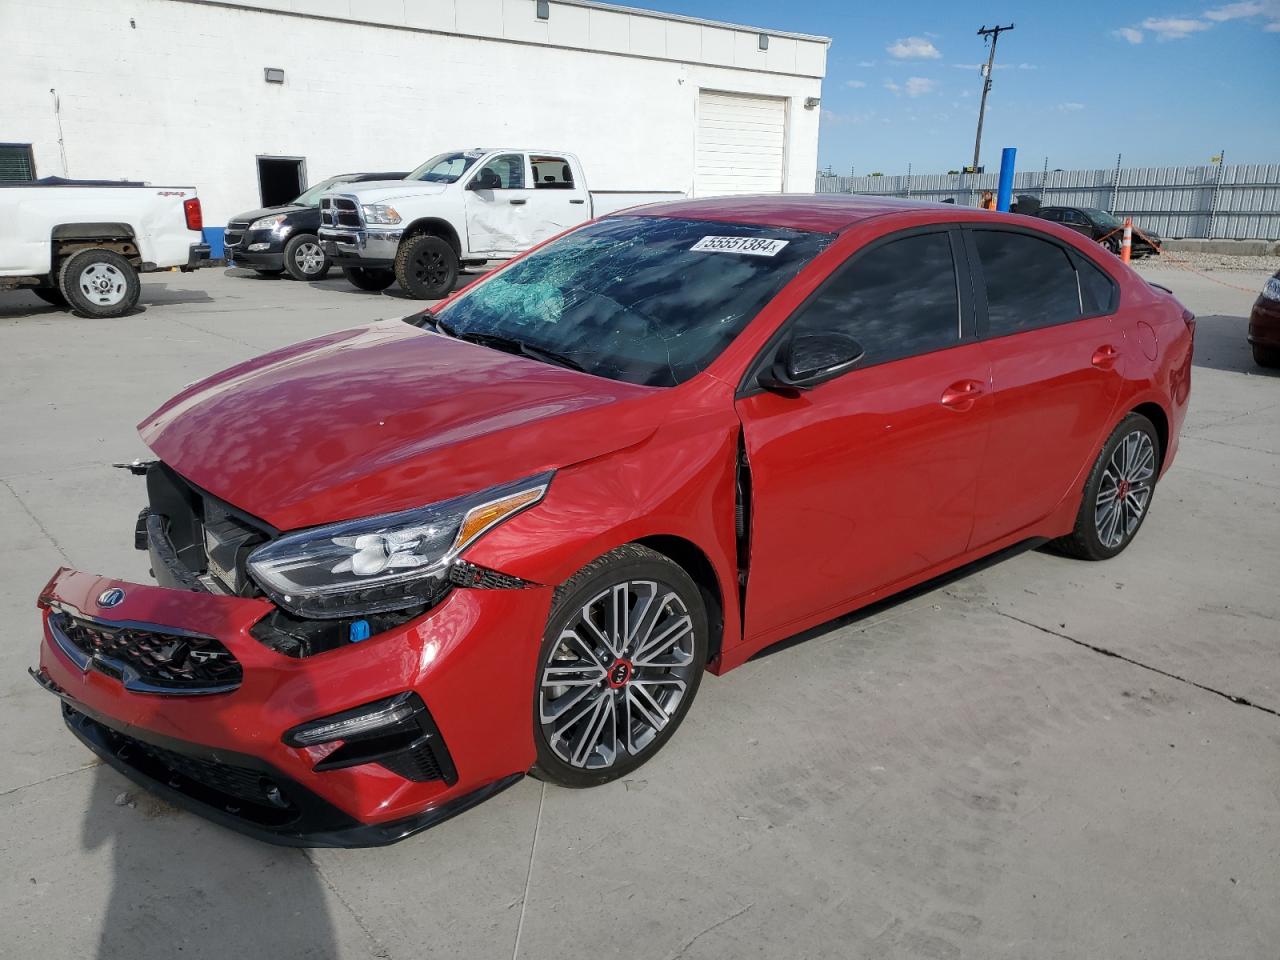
x=339 y=212
x=162 y=662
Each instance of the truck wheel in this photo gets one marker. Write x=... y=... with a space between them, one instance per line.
x=426 y=267
x=51 y=295
x=99 y=283
x=369 y=278
x=303 y=258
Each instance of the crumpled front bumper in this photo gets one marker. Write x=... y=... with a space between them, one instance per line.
x=471 y=659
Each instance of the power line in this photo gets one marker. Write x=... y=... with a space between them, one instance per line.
x=994 y=34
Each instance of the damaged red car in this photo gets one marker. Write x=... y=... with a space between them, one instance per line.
x=401 y=566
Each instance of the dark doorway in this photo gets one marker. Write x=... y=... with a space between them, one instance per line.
x=281 y=179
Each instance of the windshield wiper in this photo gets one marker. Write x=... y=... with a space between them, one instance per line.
x=519 y=347
x=426 y=318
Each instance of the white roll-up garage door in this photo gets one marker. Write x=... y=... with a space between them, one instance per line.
x=741 y=142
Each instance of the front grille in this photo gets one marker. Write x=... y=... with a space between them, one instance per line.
x=339 y=212
x=166 y=662
x=234 y=232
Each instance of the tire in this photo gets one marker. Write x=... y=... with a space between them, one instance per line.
x=619 y=722
x=1128 y=465
x=1112 y=244
x=51 y=295
x=1266 y=356
x=99 y=283
x=372 y=279
x=304 y=259
x=426 y=267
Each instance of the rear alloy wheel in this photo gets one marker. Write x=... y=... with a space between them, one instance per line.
x=372 y=279
x=426 y=267
x=99 y=283
x=1119 y=491
x=304 y=259
x=1112 y=244
x=623 y=655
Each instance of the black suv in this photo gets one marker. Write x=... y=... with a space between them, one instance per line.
x=282 y=239
x=1102 y=227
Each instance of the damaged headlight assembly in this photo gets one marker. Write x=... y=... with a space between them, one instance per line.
x=388 y=562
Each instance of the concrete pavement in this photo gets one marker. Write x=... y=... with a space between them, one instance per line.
x=1045 y=758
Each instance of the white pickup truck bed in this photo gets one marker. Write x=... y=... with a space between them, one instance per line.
x=107 y=232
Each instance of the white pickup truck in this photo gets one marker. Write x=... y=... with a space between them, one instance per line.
x=82 y=243
x=460 y=208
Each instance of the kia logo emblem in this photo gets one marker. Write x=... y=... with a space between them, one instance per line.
x=111 y=598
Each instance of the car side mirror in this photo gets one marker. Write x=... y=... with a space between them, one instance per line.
x=810 y=359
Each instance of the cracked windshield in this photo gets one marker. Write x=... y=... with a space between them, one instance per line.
x=646 y=300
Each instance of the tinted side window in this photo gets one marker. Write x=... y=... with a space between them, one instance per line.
x=1051 y=214
x=1097 y=291
x=1030 y=282
x=897 y=300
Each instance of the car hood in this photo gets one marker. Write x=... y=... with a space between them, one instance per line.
x=378 y=191
x=252 y=215
x=386 y=417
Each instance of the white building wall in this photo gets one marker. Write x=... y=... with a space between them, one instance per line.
x=172 y=91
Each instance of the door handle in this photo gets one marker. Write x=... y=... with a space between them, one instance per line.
x=517 y=201
x=961 y=395
x=1105 y=356
x=578 y=201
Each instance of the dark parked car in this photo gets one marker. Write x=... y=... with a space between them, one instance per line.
x=1264 y=325
x=282 y=239
x=1103 y=227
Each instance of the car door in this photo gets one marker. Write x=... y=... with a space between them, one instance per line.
x=556 y=202
x=499 y=221
x=1057 y=370
x=870 y=477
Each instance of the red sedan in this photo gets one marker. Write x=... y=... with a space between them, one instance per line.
x=403 y=565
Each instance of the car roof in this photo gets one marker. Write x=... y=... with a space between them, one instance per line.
x=818 y=212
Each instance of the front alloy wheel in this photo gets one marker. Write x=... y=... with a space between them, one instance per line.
x=621 y=662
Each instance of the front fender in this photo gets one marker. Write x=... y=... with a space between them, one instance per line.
x=679 y=482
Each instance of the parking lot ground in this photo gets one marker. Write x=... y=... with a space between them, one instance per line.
x=1043 y=758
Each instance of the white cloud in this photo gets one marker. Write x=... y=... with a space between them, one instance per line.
x=918 y=86
x=890 y=85
x=1234 y=11
x=913 y=48
x=866 y=63
x=1272 y=27
x=1070 y=106
x=855 y=84
x=1175 y=28
x=1027 y=66
x=1132 y=34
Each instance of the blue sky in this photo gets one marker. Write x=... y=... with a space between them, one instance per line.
x=1169 y=82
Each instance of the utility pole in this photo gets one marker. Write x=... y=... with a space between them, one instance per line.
x=994 y=34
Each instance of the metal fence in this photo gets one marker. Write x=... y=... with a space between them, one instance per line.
x=1234 y=202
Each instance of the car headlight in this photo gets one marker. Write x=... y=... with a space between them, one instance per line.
x=387 y=562
x=268 y=223
x=380 y=213
x=1271 y=289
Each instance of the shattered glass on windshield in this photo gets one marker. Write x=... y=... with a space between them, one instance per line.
x=628 y=297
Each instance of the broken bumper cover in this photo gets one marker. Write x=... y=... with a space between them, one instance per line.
x=224 y=754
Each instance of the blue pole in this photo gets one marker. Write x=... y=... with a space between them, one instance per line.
x=1005 y=194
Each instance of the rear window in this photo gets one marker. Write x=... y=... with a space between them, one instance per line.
x=646 y=300
x=1030 y=282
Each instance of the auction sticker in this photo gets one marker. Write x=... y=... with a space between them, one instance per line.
x=754 y=246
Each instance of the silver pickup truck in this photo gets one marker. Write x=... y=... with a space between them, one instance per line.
x=458 y=208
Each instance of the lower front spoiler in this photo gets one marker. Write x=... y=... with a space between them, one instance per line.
x=309 y=820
